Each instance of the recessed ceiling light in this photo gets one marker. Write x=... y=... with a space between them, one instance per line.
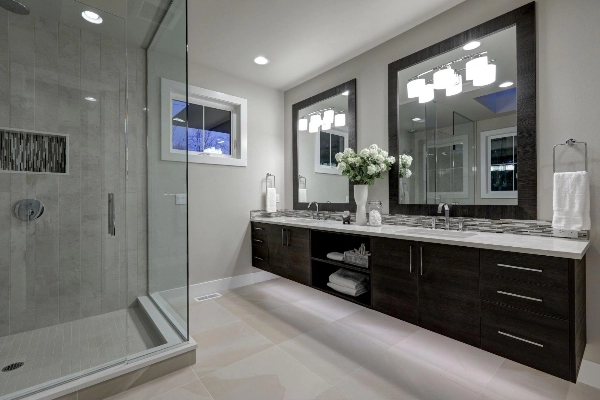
x=261 y=60
x=178 y=120
x=506 y=84
x=90 y=99
x=417 y=119
x=92 y=17
x=346 y=93
x=471 y=45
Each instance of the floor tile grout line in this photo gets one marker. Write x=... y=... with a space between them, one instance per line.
x=494 y=374
x=202 y=383
x=238 y=361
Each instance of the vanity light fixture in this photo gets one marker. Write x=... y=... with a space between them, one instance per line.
x=475 y=67
x=346 y=93
x=471 y=45
x=486 y=76
x=414 y=87
x=328 y=117
x=92 y=17
x=315 y=119
x=326 y=126
x=443 y=78
x=456 y=88
x=89 y=98
x=506 y=84
x=426 y=94
x=313 y=128
x=261 y=60
x=303 y=124
x=340 y=119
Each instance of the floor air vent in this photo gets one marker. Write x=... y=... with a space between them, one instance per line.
x=13 y=366
x=207 y=297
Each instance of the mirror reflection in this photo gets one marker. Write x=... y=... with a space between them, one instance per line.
x=457 y=118
x=322 y=132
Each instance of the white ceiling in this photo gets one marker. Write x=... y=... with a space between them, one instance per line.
x=301 y=38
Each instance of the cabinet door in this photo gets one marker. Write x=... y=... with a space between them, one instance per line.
x=449 y=291
x=298 y=266
x=394 y=276
x=277 y=250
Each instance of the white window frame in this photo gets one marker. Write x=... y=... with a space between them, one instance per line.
x=324 y=169
x=464 y=140
x=485 y=138
x=172 y=90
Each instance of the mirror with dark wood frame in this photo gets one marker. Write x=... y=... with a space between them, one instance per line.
x=464 y=112
x=323 y=125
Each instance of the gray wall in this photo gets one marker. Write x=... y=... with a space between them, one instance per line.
x=64 y=266
x=567 y=45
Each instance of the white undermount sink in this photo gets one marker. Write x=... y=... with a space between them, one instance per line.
x=436 y=232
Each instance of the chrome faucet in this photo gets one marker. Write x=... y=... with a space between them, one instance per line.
x=316 y=204
x=446 y=208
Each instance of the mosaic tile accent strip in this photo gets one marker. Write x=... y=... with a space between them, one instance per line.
x=32 y=152
x=507 y=226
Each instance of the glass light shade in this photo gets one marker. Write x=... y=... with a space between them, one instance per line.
x=443 y=78
x=315 y=119
x=475 y=67
x=328 y=117
x=313 y=128
x=326 y=126
x=487 y=76
x=426 y=94
x=456 y=88
x=302 y=124
x=413 y=88
x=340 y=120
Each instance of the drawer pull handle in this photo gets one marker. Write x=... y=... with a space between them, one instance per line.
x=410 y=264
x=257 y=240
x=521 y=339
x=258 y=229
x=523 y=268
x=519 y=296
x=258 y=258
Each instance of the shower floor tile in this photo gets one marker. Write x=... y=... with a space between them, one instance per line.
x=60 y=350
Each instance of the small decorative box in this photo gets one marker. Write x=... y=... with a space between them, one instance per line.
x=356 y=259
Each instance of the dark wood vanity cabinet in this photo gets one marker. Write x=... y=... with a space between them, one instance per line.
x=281 y=250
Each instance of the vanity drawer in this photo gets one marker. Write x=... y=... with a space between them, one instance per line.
x=260 y=257
x=260 y=241
x=527 y=338
x=541 y=299
x=541 y=270
x=259 y=229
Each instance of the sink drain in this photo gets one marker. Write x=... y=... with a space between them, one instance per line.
x=13 y=366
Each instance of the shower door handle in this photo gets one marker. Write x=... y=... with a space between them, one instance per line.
x=112 y=229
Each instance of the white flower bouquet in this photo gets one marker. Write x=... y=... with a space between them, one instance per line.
x=363 y=168
x=405 y=161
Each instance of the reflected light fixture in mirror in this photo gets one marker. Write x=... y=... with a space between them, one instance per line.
x=475 y=67
x=486 y=76
x=340 y=119
x=426 y=94
x=471 y=45
x=346 y=93
x=328 y=117
x=415 y=87
x=315 y=119
x=326 y=126
x=444 y=78
x=303 y=124
x=92 y=17
x=313 y=128
x=456 y=88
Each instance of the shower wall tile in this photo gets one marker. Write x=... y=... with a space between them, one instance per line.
x=46 y=75
x=22 y=62
x=5 y=252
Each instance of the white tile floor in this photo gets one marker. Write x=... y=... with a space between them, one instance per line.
x=281 y=340
x=56 y=351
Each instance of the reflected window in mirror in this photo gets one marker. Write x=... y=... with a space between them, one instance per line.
x=499 y=161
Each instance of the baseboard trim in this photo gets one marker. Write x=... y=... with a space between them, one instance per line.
x=220 y=285
x=589 y=373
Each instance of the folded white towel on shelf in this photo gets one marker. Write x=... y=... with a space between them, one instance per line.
x=302 y=196
x=349 y=279
x=571 y=201
x=271 y=200
x=360 y=289
x=336 y=256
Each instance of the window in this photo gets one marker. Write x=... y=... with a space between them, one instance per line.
x=210 y=127
x=328 y=144
x=499 y=161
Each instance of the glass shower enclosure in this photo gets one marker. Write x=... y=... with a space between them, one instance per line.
x=83 y=191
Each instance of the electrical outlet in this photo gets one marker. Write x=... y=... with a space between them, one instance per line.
x=278 y=197
x=181 y=199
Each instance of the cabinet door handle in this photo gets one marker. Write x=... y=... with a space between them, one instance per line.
x=523 y=268
x=258 y=229
x=282 y=237
x=257 y=240
x=421 y=259
x=519 y=296
x=258 y=258
x=410 y=254
x=521 y=339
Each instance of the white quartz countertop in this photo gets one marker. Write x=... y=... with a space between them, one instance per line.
x=539 y=245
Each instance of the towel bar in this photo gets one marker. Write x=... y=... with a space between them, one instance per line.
x=569 y=143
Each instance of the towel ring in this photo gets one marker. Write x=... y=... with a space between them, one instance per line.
x=570 y=143
x=274 y=184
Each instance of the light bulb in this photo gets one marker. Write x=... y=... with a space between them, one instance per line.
x=313 y=128
x=487 y=76
x=426 y=94
x=340 y=120
x=315 y=119
x=443 y=78
x=302 y=124
x=456 y=88
x=414 y=87
x=261 y=60
x=475 y=67
x=328 y=117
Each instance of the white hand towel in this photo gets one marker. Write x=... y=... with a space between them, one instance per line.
x=271 y=200
x=349 y=279
x=302 y=196
x=360 y=289
x=571 y=202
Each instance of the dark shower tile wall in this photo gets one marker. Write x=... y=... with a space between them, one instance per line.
x=64 y=266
